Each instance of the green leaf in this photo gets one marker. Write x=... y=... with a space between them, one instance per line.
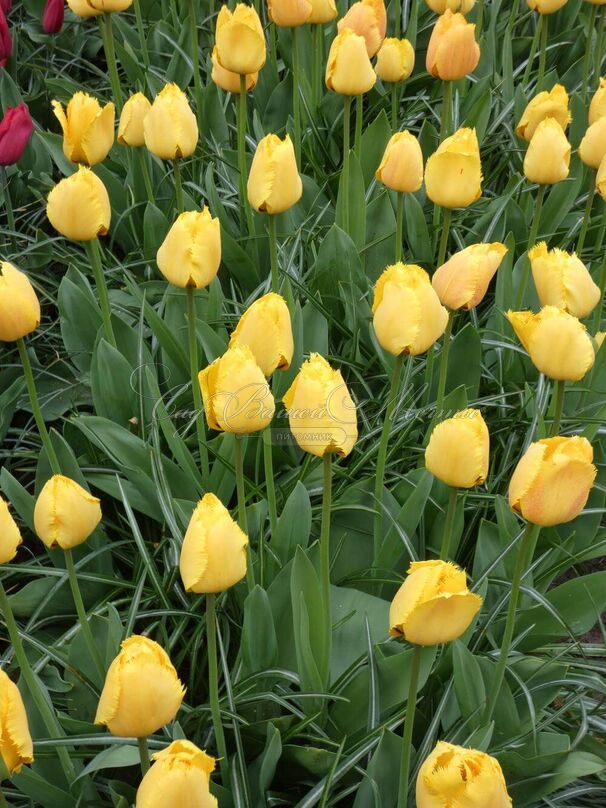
x=469 y=684
x=294 y=524
x=258 y=644
x=355 y=201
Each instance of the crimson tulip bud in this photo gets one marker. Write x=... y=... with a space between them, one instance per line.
x=15 y=131
x=52 y=19
x=6 y=43
x=6 y=5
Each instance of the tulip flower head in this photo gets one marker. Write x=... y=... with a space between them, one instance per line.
x=240 y=40
x=592 y=148
x=452 y=52
x=88 y=128
x=78 y=207
x=16 y=747
x=322 y=11
x=289 y=13
x=552 y=481
x=474 y=777
x=552 y=104
x=367 y=18
x=170 y=127
x=321 y=412
x=6 y=5
x=401 y=166
x=52 y=19
x=265 y=327
x=547 y=159
x=563 y=280
x=463 y=280
x=348 y=68
x=16 y=128
x=274 y=184
x=395 y=60
x=546 y=6
x=110 y=6
x=458 y=450
x=142 y=691
x=453 y=173
x=179 y=776
x=6 y=41
x=130 y=128
x=600 y=180
x=597 y=107
x=440 y=6
x=65 y=514
x=228 y=81
x=190 y=255
x=213 y=554
x=433 y=605
x=82 y=8
x=10 y=535
x=19 y=305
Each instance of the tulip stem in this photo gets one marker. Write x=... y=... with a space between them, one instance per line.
x=141 y=32
x=534 y=229
x=82 y=616
x=399 y=222
x=37 y=412
x=398 y=19
x=296 y=99
x=444 y=366
x=602 y=277
x=94 y=256
x=241 y=124
x=345 y=173
x=558 y=406
x=273 y=253
x=8 y=204
x=533 y=52
x=242 y=518
x=46 y=711
x=359 y=121
x=543 y=50
x=392 y=400
x=317 y=62
x=586 y=219
x=451 y=512
x=213 y=688
x=195 y=385
x=411 y=705
x=598 y=46
x=444 y=237
x=142 y=157
x=178 y=186
x=195 y=58
x=395 y=97
x=480 y=19
x=143 y=755
x=325 y=554
x=588 y=50
x=524 y=557
x=271 y=497
x=412 y=25
x=446 y=116
x=107 y=35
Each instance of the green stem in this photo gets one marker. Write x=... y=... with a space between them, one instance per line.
x=515 y=6
x=270 y=486
x=213 y=688
x=318 y=61
x=586 y=219
x=398 y=19
x=273 y=253
x=543 y=51
x=107 y=35
x=346 y=125
x=524 y=557
x=444 y=367
x=411 y=706
x=37 y=412
x=47 y=714
x=273 y=50
x=451 y=511
x=141 y=32
x=241 y=125
x=444 y=237
x=411 y=30
x=533 y=52
x=382 y=456
x=359 y=121
x=588 y=51
x=94 y=256
x=242 y=518
x=399 y=222
x=178 y=186
x=142 y=158
x=480 y=19
x=558 y=394
x=598 y=45
x=195 y=58
x=296 y=98
x=325 y=552
x=192 y=335
x=602 y=276
x=446 y=114
x=534 y=229
x=395 y=97
x=8 y=203
x=143 y=755
x=93 y=650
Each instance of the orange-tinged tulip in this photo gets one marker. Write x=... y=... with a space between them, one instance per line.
x=458 y=450
x=265 y=327
x=452 y=52
x=322 y=11
x=463 y=280
x=348 y=69
x=289 y=13
x=78 y=207
x=170 y=127
x=563 y=280
x=547 y=159
x=395 y=60
x=274 y=184
x=592 y=148
x=597 y=107
x=453 y=173
x=10 y=535
x=179 y=777
x=228 y=81
x=88 y=128
x=552 y=104
x=240 y=40
x=546 y=6
x=19 y=305
x=401 y=166
x=16 y=747
x=190 y=254
x=440 y=6
x=368 y=19
x=130 y=129
x=65 y=514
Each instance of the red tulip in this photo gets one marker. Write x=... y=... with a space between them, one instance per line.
x=52 y=19
x=6 y=43
x=15 y=130
x=6 y=5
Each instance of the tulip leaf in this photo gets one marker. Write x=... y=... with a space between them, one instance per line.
x=373 y=143
x=310 y=642
x=115 y=757
x=259 y=649
x=354 y=197
x=294 y=524
x=469 y=684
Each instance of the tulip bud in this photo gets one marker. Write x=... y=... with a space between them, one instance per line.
x=142 y=691
x=321 y=412
x=440 y=6
x=546 y=6
x=401 y=166
x=600 y=180
x=6 y=42
x=213 y=553
x=475 y=777
x=16 y=748
x=348 y=69
x=170 y=127
x=130 y=128
x=593 y=146
x=552 y=104
x=395 y=60
x=452 y=52
x=322 y=11
x=6 y=5
x=78 y=207
x=558 y=344
x=547 y=159
x=82 y=8
x=19 y=306
x=65 y=514
x=10 y=535
x=16 y=128
x=463 y=280
x=110 y=5
x=563 y=280
x=266 y=329
x=88 y=128
x=597 y=107
x=368 y=19
x=190 y=255
x=289 y=13
x=235 y=393
x=433 y=605
x=179 y=777
x=228 y=81
x=458 y=450
x=551 y=483
x=407 y=314
x=274 y=184
x=52 y=19
x=240 y=40
x=453 y=173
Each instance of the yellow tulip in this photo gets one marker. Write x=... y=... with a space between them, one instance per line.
x=563 y=280
x=440 y=6
x=265 y=327
x=322 y=11
x=19 y=305
x=597 y=107
x=453 y=173
x=235 y=393
x=65 y=514
x=274 y=184
x=348 y=69
x=78 y=207
x=433 y=605
x=142 y=691
x=463 y=280
x=368 y=19
x=321 y=412
x=240 y=40
x=83 y=9
x=592 y=148
x=170 y=127
x=88 y=128
x=458 y=450
x=547 y=159
x=557 y=342
x=401 y=166
x=179 y=776
x=546 y=6
x=190 y=255
x=130 y=128
x=407 y=314
x=16 y=747
x=289 y=13
x=10 y=535
x=395 y=60
x=551 y=483
x=107 y=6
x=228 y=81
x=474 y=777
x=452 y=52
x=600 y=179
x=552 y=104
x=213 y=553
